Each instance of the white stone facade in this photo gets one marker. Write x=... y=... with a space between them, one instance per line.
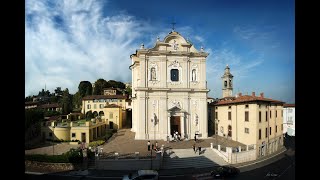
x=289 y=120
x=169 y=90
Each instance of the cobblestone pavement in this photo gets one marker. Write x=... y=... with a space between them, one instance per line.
x=123 y=143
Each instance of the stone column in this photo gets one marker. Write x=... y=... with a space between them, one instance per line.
x=169 y=129
x=182 y=125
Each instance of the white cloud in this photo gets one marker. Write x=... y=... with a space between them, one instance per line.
x=81 y=45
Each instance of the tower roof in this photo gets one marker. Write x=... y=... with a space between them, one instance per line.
x=227 y=72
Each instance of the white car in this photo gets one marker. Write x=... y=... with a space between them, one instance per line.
x=142 y=174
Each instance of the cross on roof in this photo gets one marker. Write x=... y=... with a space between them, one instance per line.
x=173 y=23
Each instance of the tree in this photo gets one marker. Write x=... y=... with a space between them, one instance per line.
x=66 y=102
x=116 y=84
x=33 y=116
x=99 y=85
x=58 y=91
x=28 y=99
x=128 y=90
x=89 y=115
x=85 y=88
x=76 y=100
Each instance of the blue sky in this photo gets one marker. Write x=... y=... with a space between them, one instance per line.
x=70 y=41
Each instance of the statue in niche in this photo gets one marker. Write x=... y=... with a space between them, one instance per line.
x=175 y=45
x=225 y=83
x=230 y=83
x=193 y=75
x=153 y=74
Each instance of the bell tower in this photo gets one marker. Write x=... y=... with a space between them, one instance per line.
x=227 y=80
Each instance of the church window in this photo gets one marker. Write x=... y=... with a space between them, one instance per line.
x=225 y=84
x=194 y=78
x=174 y=75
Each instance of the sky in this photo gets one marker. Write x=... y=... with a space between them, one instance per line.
x=68 y=41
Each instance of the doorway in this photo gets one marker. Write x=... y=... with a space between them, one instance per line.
x=111 y=125
x=83 y=137
x=175 y=124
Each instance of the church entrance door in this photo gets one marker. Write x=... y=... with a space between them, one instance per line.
x=175 y=124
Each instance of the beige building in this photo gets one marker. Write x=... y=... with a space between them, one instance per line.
x=169 y=90
x=250 y=119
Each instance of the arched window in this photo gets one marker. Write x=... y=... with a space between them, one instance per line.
x=193 y=78
x=225 y=84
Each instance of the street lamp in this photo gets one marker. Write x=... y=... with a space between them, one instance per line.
x=154 y=121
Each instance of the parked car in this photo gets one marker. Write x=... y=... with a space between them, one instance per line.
x=224 y=171
x=142 y=174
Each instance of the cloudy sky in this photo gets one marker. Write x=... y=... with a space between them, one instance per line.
x=68 y=41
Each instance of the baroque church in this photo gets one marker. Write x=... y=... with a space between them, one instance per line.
x=169 y=90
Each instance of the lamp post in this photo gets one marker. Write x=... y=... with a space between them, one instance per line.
x=153 y=120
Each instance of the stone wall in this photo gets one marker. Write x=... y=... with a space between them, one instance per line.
x=35 y=166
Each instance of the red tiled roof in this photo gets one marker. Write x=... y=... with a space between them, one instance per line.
x=54 y=105
x=104 y=97
x=245 y=98
x=289 y=105
x=112 y=106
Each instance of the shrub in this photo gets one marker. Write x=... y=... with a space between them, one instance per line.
x=90 y=154
x=47 y=158
x=96 y=143
x=74 y=155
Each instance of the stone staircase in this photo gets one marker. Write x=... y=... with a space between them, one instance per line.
x=186 y=158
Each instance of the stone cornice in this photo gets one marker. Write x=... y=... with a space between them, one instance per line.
x=172 y=89
x=172 y=53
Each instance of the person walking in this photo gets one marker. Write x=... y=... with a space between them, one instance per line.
x=199 y=148
x=194 y=148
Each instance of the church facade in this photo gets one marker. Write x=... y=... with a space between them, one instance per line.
x=169 y=90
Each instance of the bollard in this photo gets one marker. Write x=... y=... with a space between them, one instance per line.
x=211 y=145
x=116 y=155
x=239 y=149
x=219 y=147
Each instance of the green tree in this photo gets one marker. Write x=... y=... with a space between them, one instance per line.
x=76 y=100
x=66 y=102
x=58 y=91
x=53 y=99
x=28 y=99
x=99 y=85
x=85 y=88
x=116 y=84
x=89 y=115
x=128 y=91
x=33 y=116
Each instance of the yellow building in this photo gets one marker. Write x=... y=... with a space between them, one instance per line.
x=84 y=131
x=99 y=105
x=251 y=120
